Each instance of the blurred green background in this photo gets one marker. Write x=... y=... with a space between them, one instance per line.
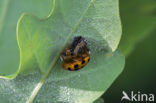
x=138 y=43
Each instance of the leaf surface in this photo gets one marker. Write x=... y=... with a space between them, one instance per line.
x=41 y=41
x=63 y=86
x=10 y=12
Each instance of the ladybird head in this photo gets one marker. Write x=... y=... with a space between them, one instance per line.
x=77 y=40
x=76 y=55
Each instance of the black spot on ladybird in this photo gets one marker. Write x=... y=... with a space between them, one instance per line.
x=76 y=66
x=83 y=61
x=88 y=59
x=69 y=68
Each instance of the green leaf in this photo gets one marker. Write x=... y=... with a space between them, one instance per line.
x=87 y=19
x=38 y=39
x=10 y=11
x=63 y=86
x=41 y=41
x=138 y=22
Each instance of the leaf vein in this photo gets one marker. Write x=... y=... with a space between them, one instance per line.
x=39 y=85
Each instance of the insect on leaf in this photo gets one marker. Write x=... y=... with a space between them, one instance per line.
x=42 y=40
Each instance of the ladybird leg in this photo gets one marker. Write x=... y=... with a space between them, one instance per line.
x=75 y=60
x=89 y=52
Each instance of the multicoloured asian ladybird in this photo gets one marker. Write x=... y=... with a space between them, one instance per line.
x=76 y=55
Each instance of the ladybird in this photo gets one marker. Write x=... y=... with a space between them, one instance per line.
x=76 y=55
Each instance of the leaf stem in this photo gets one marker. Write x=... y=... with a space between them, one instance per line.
x=39 y=85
